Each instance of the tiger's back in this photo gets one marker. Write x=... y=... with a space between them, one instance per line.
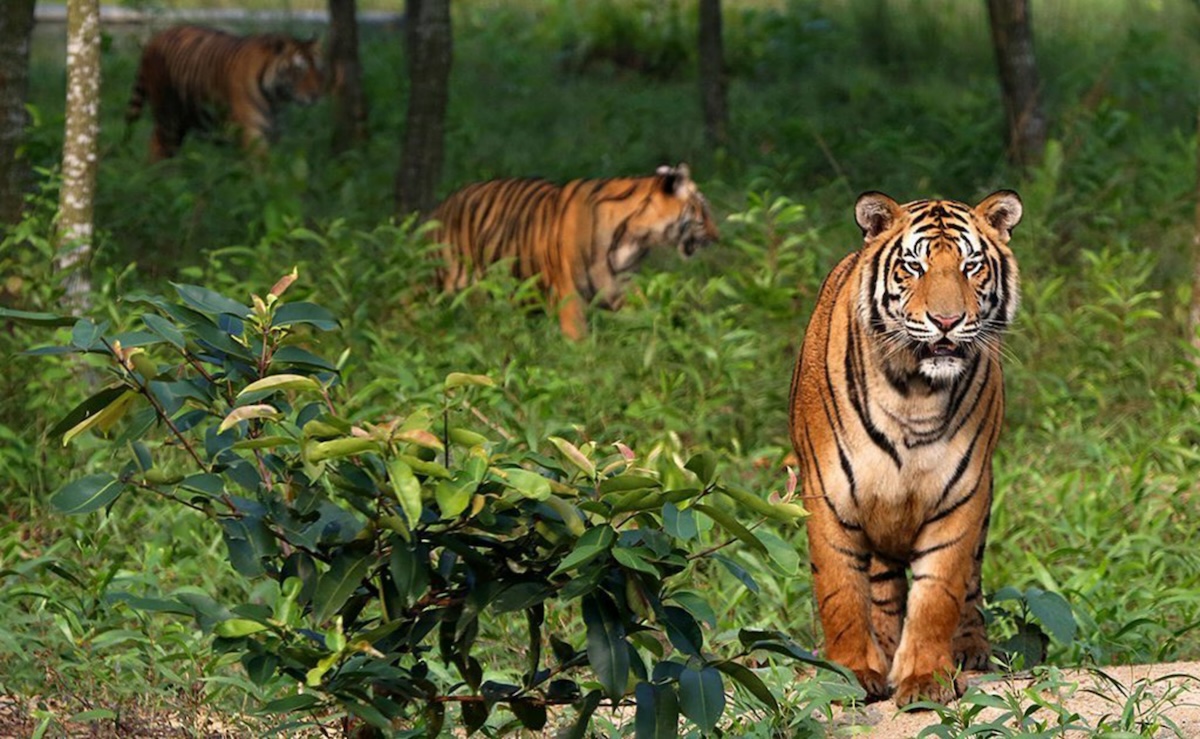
x=195 y=77
x=897 y=403
x=582 y=239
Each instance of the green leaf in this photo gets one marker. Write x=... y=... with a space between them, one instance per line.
x=683 y=631
x=236 y=627
x=574 y=456
x=460 y=379
x=281 y=382
x=165 y=329
x=622 y=483
x=586 y=707
x=531 y=715
x=87 y=494
x=607 y=650
x=594 y=542
x=291 y=703
x=704 y=464
x=336 y=585
x=34 y=318
x=407 y=488
x=87 y=408
x=635 y=559
x=301 y=357
x=1053 y=612
x=529 y=484
x=474 y=715
x=702 y=696
x=453 y=496
x=265 y=442
x=247 y=413
x=731 y=524
x=105 y=418
x=657 y=712
x=783 y=553
x=85 y=334
x=208 y=302
x=750 y=681
x=680 y=524
x=310 y=314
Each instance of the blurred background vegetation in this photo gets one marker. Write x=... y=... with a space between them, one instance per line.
x=1097 y=492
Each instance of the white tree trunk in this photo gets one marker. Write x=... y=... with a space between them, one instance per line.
x=80 y=150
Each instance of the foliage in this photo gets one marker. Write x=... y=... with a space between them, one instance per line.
x=1096 y=492
x=389 y=541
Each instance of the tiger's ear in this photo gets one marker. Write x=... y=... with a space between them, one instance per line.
x=677 y=181
x=875 y=213
x=1002 y=209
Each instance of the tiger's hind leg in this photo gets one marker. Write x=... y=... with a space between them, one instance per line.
x=889 y=591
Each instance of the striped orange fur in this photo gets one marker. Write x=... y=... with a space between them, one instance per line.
x=198 y=78
x=896 y=406
x=582 y=239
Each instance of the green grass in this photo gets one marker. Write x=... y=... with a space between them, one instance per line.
x=1097 y=468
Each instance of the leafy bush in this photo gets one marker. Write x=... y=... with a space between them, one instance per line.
x=390 y=541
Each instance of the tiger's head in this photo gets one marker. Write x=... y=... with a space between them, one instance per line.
x=292 y=71
x=939 y=283
x=681 y=206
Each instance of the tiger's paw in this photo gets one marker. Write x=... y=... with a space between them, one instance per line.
x=973 y=654
x=938 y=687
x=875 y=683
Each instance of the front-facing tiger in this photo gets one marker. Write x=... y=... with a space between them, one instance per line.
x=896 y=406
x=196 y=78
x=583 y=239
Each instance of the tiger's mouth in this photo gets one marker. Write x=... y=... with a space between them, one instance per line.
x=941 y=348
x=689 y=246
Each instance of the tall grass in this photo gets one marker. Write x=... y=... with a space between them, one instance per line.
x=1097 y=469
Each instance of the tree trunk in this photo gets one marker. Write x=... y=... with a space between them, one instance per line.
x=713 y=78
x=1012 y=37
x=80 y=151
x=16 y=24
x=345 y=76
x=429 y=52
x=1194 y=323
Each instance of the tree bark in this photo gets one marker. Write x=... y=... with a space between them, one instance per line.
x=345 y=76
x=80 y=153
x=1194 y=313
x=16 y=24
x=1012 y=38
x=430 y=54
x=714 y=80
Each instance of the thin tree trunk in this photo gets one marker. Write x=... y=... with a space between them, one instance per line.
x=16 y=24
x=713 y=78
x=1194 y=323
x=430 y=54
x=80 y=151
x=349 y=100
x=1012 y=38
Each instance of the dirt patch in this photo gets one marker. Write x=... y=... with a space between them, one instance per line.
x=1127 y=697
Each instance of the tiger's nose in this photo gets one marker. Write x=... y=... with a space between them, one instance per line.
x=945 y=323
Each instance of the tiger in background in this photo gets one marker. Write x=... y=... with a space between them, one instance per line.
x=199 y=78
x=583 y=239
x=896 y=404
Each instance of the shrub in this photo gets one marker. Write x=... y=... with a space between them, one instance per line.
x=393 y=541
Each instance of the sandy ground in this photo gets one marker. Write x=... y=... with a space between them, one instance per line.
x=1130 y=698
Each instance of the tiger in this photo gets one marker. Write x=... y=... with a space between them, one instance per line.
x=198 y=78
x=896 y=405
x=582 y=240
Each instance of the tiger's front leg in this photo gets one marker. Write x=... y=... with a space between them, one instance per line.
x=942 y=566
x=840 y=565
x=571 y=317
